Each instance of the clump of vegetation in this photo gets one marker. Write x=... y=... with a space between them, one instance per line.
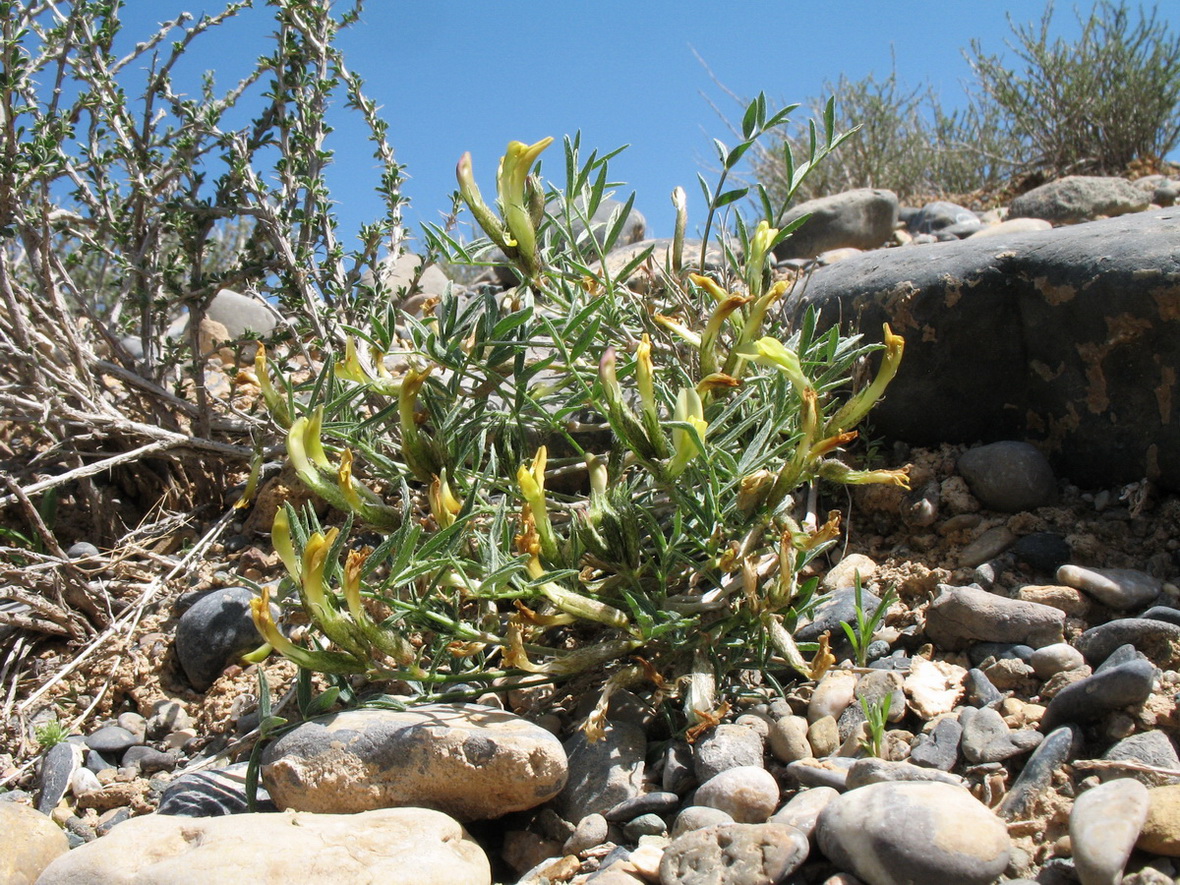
x=1095 y=105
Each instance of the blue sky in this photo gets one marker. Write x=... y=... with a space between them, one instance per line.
x=470 y=75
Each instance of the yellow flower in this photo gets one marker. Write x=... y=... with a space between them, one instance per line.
x=511 y=181
x=771 y=352
x=686 y=443
x=856 y=408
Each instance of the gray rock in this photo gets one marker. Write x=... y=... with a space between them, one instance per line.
x=940 y=747
x=82 y=550
x=749 y=794
x=111 y=740
x=987 y=737
x=1011 y=337
x=986 y=547
x=803 y=809
x=167 y=716
x=603 y=773
x=862 y=218
x=1009 y=476
x=948 y=836
x=466 y=760
x=1103 y=826
x=1058 y=747
x=1117 y=588
x=1059 y=657
x=942 y=216
x=1158 y=640
x=1149 y=747
x=1044 y=552
x=1099 y=694
x=1077 y=198
x=878 y=771
x=697 y=817
x=57 y=768
x=961 y=615
x=406 y=283
x=734 y=854
x=213 y=633
x=211 y=793
x=590 y=832
x=1163 y=613
x=645 y=803
x=839 y=606
x=678 y=775
x=727 y=746
x=149 y=760
x=978 y=689
x=644 y=825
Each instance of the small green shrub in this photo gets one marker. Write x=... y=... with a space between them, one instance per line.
x=50 y=734
x=573 y=476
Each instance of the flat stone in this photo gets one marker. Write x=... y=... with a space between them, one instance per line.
x=1011 y=338
x=1077 y=198
x=678 y=775
x=831 y=771
x=961 y=615
x=212 y=793
x=1120 y=589
x=1158 y=640
x=987 y=737
x=832 y=695
x=1153 y=748
x=839 y=606
x=57 y=767
x=397 y=846
x=1163 y=613
x=1099 y=694
x=749 y=794
x=986 y=547
x=734 y=854
x=948 y=835
x=934 y=687
x=1070 y=600
x=645 y=803
x=29 y=842
x=940 y=747
x=111 y=739
x=1103 y=827
x=878 y=771
x=1161 y=829
x=603 y=773
x=470 y=761
x=1010 y=476
x=863 y=218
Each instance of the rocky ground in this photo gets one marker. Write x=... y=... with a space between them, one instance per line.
x=1026 y=668
x=771 y=762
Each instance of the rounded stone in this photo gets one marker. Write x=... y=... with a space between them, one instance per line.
x=748 y=793
x=1056 y=658
x=1103 y=827
x=396 y=846
x=788 y=739
x=82 y=550
x=111 y=739
x=733 y=854
x=1009 y=476
x=948 y=835
x=697 y=817
x=29 y=842
x=823 y=735
x=1161 y=829
x=1103 y=692
x=590 y=833
x=727 y=746
x=1044 y=552
x=469 y=761
x=213 y=633
x=803 y=809
x=832 y=696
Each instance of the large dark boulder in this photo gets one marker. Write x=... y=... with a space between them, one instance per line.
x=1067 y=338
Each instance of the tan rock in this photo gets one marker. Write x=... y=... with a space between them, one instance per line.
x=467 y=760
x=29 y=842
x=934 y=687
x=1161 y=830
x=394 y=846
x=1013 y=226
x=1073 y=602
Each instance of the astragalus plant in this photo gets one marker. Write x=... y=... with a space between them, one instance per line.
x=575 y=474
